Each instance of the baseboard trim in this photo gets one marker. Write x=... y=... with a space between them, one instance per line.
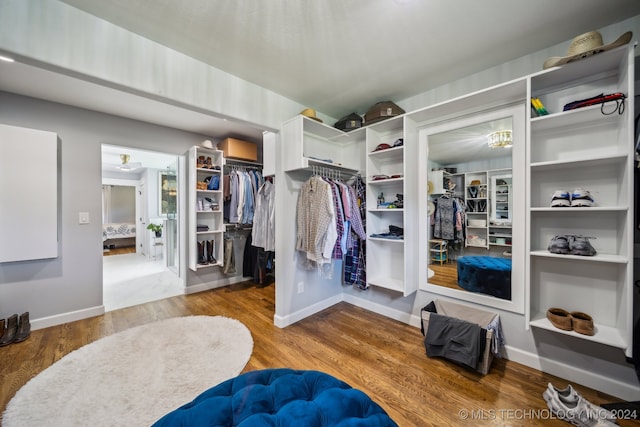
x=71 y=316
x=213 y=285
x=284 y=321
x=590 y=379
x=378 y=308
x=621 y=390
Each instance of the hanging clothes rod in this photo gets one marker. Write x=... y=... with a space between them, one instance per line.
x=228 y=161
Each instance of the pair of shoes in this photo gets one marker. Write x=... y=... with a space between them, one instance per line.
x=571 y=244
x=578 y=198
x=577 y=321
x=201 y=162
x=567 y=404
x=205 y=252
x=15 y=330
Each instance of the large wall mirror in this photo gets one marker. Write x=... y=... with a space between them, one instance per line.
x=474 y=208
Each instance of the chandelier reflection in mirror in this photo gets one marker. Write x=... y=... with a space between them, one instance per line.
x=500 y=139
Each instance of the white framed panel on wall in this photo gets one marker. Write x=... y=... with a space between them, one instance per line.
x=29 y=194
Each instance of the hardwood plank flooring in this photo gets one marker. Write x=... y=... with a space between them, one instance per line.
x=380 y=356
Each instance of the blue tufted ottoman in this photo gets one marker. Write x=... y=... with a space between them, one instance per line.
x=485 y=274
x=279 y=397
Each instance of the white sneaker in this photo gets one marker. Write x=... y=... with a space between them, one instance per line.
x=561 y=199
x=581 y=198
x=569 y=405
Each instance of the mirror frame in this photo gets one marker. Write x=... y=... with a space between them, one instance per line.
x=518 y=161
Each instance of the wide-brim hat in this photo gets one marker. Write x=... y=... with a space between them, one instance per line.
x=585 y=45
x=207 y=144
x=311 y=113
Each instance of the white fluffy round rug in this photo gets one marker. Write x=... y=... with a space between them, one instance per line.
x=134 y=377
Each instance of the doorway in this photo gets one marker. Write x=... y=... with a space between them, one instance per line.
x=140 y=226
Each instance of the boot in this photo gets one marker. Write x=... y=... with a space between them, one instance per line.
x=200 y=162
x=210 y=247
x=24 y=328
x=202 y=258
x=10 y=331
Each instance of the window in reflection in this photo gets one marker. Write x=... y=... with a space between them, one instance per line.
x=470 y=209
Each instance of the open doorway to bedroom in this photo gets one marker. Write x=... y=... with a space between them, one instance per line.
x=140 y=219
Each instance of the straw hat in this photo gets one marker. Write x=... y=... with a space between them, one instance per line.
x=585 y=45
x=311 y=113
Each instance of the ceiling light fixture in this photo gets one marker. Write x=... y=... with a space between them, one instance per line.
x=500 y=139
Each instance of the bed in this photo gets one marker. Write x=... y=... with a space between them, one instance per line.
x=485 y=275
x=118 y=235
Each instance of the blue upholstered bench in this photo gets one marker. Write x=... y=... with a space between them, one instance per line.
x=280 y=397
x=486 y=275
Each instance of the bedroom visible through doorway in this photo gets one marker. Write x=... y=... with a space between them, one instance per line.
x=140 y=226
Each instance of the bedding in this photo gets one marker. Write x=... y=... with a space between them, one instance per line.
x=118 y=231
x=280 y=397
x=486 y=275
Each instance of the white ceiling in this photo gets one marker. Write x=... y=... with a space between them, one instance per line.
x=336 y=56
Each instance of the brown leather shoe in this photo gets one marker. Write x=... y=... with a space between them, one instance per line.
x=10 y=331
x=24 y=328
x=560 y=318
x=582 y=323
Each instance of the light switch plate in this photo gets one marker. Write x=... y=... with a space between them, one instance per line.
x=83 y=217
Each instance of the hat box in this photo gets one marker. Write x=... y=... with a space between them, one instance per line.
x=237 y=149
x=349 y=122
x=382 y=111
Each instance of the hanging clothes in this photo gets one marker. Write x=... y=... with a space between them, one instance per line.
x=444 y=221
x=315 y=215
x=239 y=202
x=355 y=258
x=264 y=218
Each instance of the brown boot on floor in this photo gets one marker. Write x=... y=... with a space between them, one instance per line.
x=24 y=328
x=9 y=334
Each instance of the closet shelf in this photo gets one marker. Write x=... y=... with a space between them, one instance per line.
x=199 y=233
x=584 y=162
x=609 y=258
x=603 y=334
x=386 y=210
x=570 y=210
x=382 y=239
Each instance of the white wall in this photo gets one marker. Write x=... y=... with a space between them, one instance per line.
x=70 y=287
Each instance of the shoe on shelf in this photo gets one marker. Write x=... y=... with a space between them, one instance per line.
x=561 y=199
x=580 y=246
x=569 y=405
x=560 y=318
x=559 y=245
x=581 y=198
x=582 y=323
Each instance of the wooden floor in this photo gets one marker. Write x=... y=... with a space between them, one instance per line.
x=446 y=274
x=119 y=251
x=382 y=357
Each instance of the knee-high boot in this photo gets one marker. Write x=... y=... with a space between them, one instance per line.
x=202 y=247
x=210 y=251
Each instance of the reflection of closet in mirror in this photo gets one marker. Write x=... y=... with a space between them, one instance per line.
x=469 y=187
x=501 y=212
